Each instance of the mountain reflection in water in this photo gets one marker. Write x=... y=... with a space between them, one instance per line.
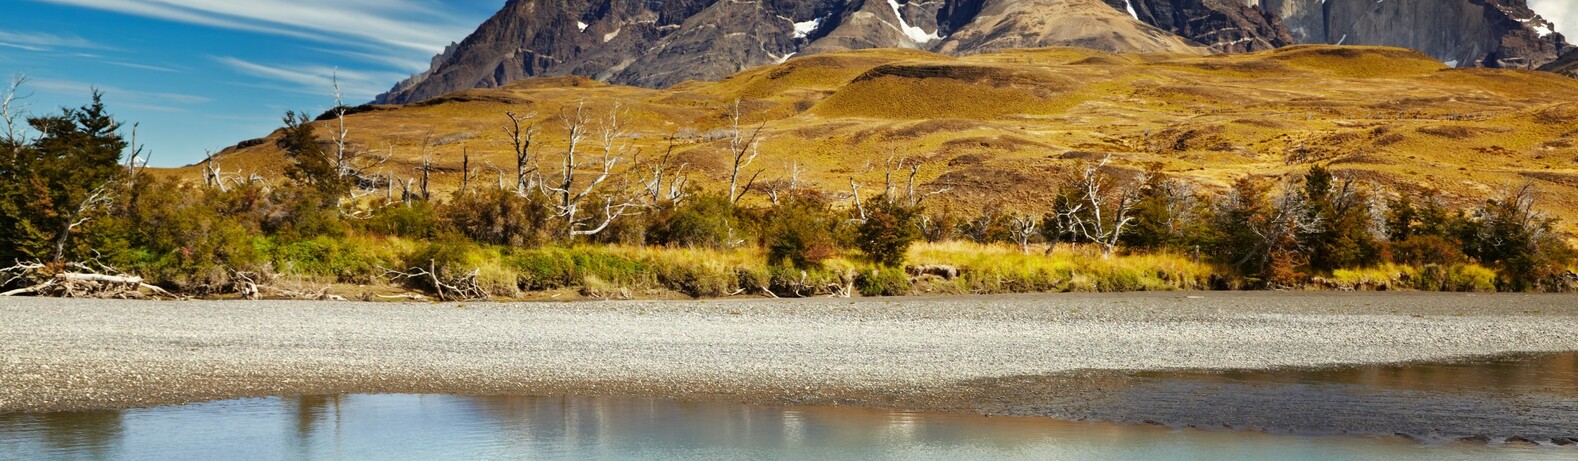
x=456 y=427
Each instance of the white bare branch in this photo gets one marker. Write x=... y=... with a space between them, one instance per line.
x=12 y=109
x=743 y=148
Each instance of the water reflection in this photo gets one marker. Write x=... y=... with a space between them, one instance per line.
x=448 y=427
x=1553 y=374
x=91 y=434
x=1529 y=396
x=451 y=427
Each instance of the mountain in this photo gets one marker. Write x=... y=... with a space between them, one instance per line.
x=1000 y=129
x=660 y=44
x=1566 y=65
x=1468 y=33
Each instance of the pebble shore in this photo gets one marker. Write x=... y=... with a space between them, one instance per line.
x=59 y=355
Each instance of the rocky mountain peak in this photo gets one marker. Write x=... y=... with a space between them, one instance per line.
x=662 y=43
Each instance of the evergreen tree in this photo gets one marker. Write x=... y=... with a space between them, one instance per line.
x=55 y=184
x=310 y=163
x=1336 y=230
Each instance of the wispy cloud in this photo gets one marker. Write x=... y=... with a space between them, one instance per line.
x=81 y=89
x=356 y=85
x=40 y=41
x=407 y=24
x=141 y=66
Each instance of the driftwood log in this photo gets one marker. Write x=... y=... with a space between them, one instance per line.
x=76 y=280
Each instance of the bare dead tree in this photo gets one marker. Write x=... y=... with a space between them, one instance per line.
x=569 y=195
x=1102 y=210
x=213 y=174
x=465 y=170
x=11 y=108
x=913 y=193
x=775 y=190
x=426 y=168
x=661 y=179
x=520 y=140
x=136 y=158
x=1024 y=227
x=497 y=171
x=887 y=176
x=350 y=163
x=743 y=148
x=979 y=229
x=854 y=190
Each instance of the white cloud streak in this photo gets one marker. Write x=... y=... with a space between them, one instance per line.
x=143 y=100
x=316 y=79
x=405 y=24
x=39 y=41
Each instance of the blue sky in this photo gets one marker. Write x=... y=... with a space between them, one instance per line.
x=205 y=74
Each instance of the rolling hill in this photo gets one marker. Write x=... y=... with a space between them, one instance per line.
x=1000 y=129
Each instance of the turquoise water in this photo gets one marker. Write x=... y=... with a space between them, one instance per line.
x=424 y=427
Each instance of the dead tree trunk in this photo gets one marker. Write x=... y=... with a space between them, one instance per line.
x=520 y=140
x=743 y=148
x=569 y=194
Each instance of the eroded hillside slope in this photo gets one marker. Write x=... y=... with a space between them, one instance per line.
x=1000 y=129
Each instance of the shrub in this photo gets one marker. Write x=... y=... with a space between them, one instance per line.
x=885 y=281
x=888 y=232
x=702 y=221
x=1425 y=250
x=344 y=260
x=449 y=257
x=415 y=220
x=297 y=213
x=1336 y=229
x=799 y=231
x=1520 y=242
x=498 y=217
x=179 y=237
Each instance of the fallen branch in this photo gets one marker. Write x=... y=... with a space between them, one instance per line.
x=463 y=288
x=83 y=281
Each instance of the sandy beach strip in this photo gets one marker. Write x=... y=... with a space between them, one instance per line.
x=58 y=355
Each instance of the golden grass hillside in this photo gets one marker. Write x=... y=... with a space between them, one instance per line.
x=998 y=128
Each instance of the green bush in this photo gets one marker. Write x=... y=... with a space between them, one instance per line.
x=498 y=217
x=698 y=281
x=555 y=267
x=180 y=237
x=416 y=220
x=344 y=260
x=448 y=257
x=799 y=231
x=1520 y=242
x=702 y=221
x=888 y=232
x=885 y=281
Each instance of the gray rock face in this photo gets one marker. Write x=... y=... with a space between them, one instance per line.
x=1224 y=26
x=1566 y=65
x=662 y=43
x=1485 y=33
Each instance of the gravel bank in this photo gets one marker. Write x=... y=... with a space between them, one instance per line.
x=925 y=353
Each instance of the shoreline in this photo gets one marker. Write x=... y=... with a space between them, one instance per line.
x=1027 y=355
